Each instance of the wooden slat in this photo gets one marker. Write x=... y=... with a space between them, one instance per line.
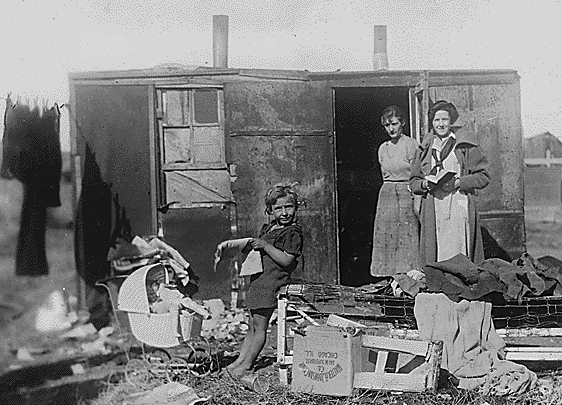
x=546 y=332
x=534 y=356
x=553 y=349
x=382 y=357
x=418 y=348
x=390 y=381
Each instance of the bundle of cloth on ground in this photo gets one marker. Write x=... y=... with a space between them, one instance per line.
x=472 y=350
x=125 y=256
x=459 y=278
x=240 y=251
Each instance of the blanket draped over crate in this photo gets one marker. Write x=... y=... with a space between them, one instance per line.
x=472 y=350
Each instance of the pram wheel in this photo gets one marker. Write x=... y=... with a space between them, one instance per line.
x=157 y=360
x=177 y=369
x=137 y=372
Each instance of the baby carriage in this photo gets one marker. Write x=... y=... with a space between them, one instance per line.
x=162 y=326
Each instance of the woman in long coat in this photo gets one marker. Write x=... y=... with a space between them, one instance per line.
x=449 y=216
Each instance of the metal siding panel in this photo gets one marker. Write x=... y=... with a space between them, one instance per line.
x=115 y=121
x=272 y=108
x=262 y=161
x=195 y=233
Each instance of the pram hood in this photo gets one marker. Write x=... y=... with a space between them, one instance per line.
x=133 y=296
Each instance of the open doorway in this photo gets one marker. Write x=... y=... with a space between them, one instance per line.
x=359 y=134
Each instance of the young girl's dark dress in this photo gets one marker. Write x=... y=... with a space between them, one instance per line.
x=262 y=292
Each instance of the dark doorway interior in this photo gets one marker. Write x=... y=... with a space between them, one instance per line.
x=359 y=134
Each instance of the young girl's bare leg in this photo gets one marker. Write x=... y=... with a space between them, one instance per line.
x=245 y=345
x=260 y=320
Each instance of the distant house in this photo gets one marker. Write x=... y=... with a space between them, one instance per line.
x=543 y=175
x=543 y=149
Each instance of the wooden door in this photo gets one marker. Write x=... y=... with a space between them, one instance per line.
x=195 y=204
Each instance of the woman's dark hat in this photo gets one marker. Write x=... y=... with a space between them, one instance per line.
x=442 y=105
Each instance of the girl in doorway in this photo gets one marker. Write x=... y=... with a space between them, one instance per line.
x=280 y=244
x=396 y=228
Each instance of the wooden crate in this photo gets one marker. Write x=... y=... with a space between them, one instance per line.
x=421 y=378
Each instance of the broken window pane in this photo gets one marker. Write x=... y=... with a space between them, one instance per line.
x=177 y=108
x=205 y=106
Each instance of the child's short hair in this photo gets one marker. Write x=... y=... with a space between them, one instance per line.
x=280 y=191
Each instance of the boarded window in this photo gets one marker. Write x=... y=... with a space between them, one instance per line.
x=192 y=157
x=205 y=106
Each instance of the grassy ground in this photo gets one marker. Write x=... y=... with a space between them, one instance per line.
x=20 y=296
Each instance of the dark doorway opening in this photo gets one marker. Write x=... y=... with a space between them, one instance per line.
x=359 y=134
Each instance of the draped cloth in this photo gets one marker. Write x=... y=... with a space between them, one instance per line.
x=31 y=154
x=472 y=350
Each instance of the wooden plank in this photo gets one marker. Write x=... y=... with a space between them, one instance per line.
x=543 y=161
x=435 y=357
x=546 y=332
x=390 y=381
x=152 y=146
x=552 y=349
x=534 y=356
x=382 y=357
x=281 y=330
x=418 y=348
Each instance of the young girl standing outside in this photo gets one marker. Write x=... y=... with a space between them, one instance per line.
x=280 y=244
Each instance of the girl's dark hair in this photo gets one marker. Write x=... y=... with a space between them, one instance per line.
x=280 y=191
x=442 y=105
x=393 y=111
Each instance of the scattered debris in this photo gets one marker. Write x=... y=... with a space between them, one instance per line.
x=52 y=316
x=224 y=323
x=256 y=383
x=77 y=369
x=80 y=331
x=170 y=393
x=23 y=354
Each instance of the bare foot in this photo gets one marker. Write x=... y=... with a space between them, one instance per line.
x=239 y=371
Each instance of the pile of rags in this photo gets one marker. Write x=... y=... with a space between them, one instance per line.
x=125 y=256
x=472 y=350
x=459 y=278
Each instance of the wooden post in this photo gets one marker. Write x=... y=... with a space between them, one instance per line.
x=282 y=340
x=435 y=357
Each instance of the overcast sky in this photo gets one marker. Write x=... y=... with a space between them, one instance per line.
x=42 y=42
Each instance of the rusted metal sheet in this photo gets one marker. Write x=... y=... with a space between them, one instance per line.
x=195 y=232
x=115 y=123
x=282 y=132
x=278 y=108
x=493 y=113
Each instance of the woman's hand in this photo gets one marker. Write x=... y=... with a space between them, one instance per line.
x=427 y=185
x=258 y=244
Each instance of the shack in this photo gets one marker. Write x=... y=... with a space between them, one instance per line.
x=190 y=153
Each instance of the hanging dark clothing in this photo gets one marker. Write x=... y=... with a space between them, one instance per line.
x=31 y=154
x=31 y=149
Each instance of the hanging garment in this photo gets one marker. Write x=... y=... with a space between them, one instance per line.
x=32 y=155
